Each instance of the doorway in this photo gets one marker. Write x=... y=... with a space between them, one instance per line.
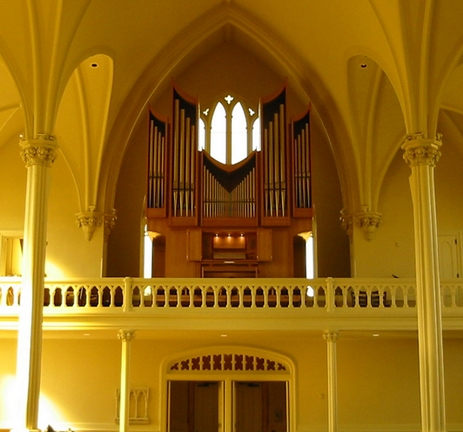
x=227 y=406
x=260 y=406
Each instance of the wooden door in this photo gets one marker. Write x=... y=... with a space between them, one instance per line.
x=260 y=406
x=206 y=407
x=248 y=407
x=193 y=406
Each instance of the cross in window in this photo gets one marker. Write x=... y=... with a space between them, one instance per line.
x=229 y=99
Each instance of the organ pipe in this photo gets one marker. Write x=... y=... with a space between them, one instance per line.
x=183 y=156
x=302 y=162
x=274 y=156
x=229 y=193
x=156 y=162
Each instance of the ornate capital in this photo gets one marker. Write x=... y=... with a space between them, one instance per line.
x=347 y=223
x=125 y=335
x=422 y=151
x=368 y=221
x=39 y=151
x=331 y=336
x=109 y=223
x=89 y=221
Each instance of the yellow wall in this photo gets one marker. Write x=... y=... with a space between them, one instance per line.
x=378 y=384
x=13 y=196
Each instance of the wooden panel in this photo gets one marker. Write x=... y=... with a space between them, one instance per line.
x=194 y=245
x=264 y=245
x=229 y=271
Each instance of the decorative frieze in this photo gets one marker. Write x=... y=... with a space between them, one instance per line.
x=228 y=362
x=89 y=221
x=422 y=151
x=39 y=151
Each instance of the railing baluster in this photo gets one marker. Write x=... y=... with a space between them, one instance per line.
x=329 y=294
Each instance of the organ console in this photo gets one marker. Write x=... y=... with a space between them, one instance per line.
x=194 y=201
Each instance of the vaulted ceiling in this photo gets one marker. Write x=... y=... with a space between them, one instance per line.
x=373 y=71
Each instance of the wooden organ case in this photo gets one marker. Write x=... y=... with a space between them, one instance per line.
x=209 y=219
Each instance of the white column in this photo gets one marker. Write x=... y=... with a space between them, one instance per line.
x=422 y=155
x=125 y=336
x=38 y=155
x=331 y=338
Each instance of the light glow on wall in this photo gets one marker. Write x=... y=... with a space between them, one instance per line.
x=7 y=401
x=49 y=412
x=310 y=264
x=147 y=255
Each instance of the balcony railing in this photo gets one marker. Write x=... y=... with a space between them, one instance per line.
x=131 y=294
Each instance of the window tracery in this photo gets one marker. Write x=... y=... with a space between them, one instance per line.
x=229 y=130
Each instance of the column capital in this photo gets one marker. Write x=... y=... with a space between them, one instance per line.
x=125 y=335
x=422 y=151
x=39 y=151
x=368 y=221
x=331 y=336
x=109 y=223
x=89 y=221
x=347 y=223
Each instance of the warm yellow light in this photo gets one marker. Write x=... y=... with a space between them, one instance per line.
x=49 y=413
x=8 y=405
x=52 y=271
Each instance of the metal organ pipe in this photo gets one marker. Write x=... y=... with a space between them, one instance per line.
x=156 y=154
x=183 y=160
x=219 y=202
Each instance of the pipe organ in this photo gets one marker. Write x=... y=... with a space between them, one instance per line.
x=204 y=209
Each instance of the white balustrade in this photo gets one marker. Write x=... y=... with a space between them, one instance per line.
x=132 y=294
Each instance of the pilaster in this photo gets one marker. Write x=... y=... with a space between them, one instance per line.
x=331 y=338
x=422 y=155
x=125 y=336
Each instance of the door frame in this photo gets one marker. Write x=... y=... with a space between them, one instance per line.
x=268 y=366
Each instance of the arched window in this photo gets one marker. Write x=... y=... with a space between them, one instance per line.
x=219 y=134
x=229 y=131
x=239 y=136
